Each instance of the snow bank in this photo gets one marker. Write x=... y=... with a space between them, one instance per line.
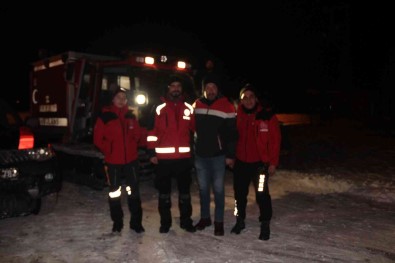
x=285 y=182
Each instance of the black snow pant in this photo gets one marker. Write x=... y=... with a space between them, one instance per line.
x=180 y=169
x=127 y=175
x=244 y=173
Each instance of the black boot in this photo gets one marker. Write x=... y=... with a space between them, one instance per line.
x=240 y=225
x=203 y=223
x=218 y=228
x=265 y=230
x=185 y=207
x=188 y=227
x=117 y=226
x=165 y=213
x=136 y=214
x=116 y=214
x=265 y=213
x=240 y=213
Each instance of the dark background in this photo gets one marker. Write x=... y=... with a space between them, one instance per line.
x=290 y=50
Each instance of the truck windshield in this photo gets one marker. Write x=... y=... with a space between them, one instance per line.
x=153 y=82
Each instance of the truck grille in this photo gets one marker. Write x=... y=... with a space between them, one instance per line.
x=13 y=156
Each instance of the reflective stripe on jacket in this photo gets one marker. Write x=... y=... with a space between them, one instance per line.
x=215 y=124
x=171 y=134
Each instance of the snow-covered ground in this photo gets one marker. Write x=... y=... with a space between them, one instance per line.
x=333 y=201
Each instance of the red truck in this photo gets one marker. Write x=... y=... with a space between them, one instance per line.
x=68 y=91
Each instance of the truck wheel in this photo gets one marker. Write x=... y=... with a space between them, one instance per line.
x=15 y=204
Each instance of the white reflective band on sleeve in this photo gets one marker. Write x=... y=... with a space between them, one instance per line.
x=186 y=118
x=184 y=149
x=189 y=106
x=129 y=190
x=152 y=138
x=159 y=108
x=115 y=194
x=261 y=182
x=165 y=150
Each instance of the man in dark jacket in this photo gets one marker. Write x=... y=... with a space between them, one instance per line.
x=169 y=146
x=116 y=135
x=257 y=156
x=215 y=141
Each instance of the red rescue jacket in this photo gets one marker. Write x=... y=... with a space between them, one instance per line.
x=259 y=136
x=171 y=134
x=116 y=134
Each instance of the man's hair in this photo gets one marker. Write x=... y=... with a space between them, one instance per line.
x=174 y=78
x=249 y=87
x=118 y=90
x=212 y=78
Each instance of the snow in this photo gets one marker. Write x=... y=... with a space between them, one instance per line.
x=336 y=206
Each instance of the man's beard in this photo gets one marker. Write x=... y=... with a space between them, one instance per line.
x=175 y=95
x=211 y=96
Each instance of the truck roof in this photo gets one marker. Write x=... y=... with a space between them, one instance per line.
x=69 y=56
x=132 y=57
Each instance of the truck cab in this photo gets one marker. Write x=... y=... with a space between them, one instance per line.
x=69 y=90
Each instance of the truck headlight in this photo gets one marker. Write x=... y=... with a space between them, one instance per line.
x=141 y=98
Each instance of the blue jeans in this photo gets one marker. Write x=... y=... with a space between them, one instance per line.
x=211 y=171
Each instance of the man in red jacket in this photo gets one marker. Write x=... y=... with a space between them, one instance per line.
x=257 y=156
x=116 y=134
x=169 y=146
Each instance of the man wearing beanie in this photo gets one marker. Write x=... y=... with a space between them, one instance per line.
x=211 y=78
x=257 y=156
x=215 y=142
x=168 y=144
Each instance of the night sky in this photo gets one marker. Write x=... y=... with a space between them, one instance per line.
x=287 y=46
